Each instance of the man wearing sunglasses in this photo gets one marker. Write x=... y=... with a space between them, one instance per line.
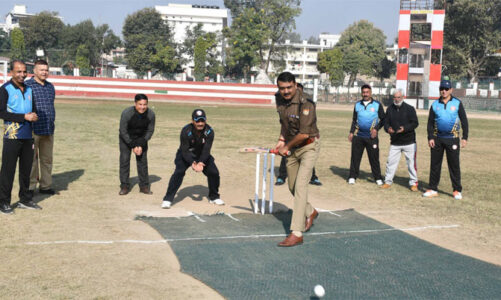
x=447 y=116
x=194 y=151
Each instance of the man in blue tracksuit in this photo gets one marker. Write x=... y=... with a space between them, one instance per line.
x=17 y=109
x=447 y=117
x=368 y=118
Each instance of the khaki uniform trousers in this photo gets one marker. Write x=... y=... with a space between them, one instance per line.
x=299 y=168
x=44 y=145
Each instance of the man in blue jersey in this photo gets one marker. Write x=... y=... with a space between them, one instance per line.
x=368 y=118
x=447 y=117
x=17 y=109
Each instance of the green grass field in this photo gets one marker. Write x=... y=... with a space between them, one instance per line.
x=89 y=208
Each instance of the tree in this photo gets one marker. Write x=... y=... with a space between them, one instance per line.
x=363 y=47
x=97 y=40
x=279 y=17
x=331 y=62
x=82 y=60
x=199 y=58
x=472 y=33
x=4 y=42
x=42 y=31
x=271 y=19
x=18 y=46
x=245 y=37
x=192 y=35
x=293 y=37
x=145 y=35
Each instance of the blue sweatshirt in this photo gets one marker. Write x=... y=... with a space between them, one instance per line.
x=366 y=118
x=14 y=104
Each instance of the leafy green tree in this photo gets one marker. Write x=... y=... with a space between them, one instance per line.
x=293 y=37
x=331 y=62
x=164 y=59
x=200 y=58
x=18 y=46
x=188 y=46
x=97 y=40
x=271 y=20
x=4 y=43
x=143 y=32
x=82 y=60
x=245 y=38
x=42 y=31
x=363 y=47
x=472 y=33
x=279 y=17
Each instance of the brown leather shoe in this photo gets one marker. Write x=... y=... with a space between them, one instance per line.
x=124 y=191
x=291 y=241
x=145 y=190
x=309 y=220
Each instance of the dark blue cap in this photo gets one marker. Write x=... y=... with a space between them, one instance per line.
x=445 y=84
x=198 y=114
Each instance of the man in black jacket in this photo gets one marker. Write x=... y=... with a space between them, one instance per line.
x=400 y=122
x=136 y=128
x=196 y=143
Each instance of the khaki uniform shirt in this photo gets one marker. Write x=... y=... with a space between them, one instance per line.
x=297 y=116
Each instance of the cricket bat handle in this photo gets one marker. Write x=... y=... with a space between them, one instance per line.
x=275 y=151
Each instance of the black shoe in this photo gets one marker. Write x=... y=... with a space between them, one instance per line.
x=315 y=182
x=6 y=209
x=280 y=181
x=28 y=205
x=47 y=192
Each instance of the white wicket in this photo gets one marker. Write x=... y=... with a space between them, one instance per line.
x=263 y=182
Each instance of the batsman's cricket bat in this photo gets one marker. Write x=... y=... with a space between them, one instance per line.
x=259 y=150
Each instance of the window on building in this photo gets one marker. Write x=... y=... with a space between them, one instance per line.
x=416 y=61
x=421 y=32
x=402 y=56
x=436 y=56
x=415 y=89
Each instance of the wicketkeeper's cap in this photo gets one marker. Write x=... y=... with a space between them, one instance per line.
x=198 y=114
x=445 y=84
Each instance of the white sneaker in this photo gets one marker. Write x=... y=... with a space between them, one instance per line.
x=379 y=182
x=166 y=204
x=430 y=193
x=457 y=195
x=217 y=201
x=351 y=181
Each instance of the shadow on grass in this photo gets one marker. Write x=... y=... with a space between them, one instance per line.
x=135 y=180
x=61 y=181
x=345 y=172
x=195 y=192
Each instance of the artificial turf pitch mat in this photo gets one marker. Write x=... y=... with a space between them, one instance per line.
x=350 y=255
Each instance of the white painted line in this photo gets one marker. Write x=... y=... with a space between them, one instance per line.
x=254 y=236
x=196 y=216
x=232 y=217
x=328 y=211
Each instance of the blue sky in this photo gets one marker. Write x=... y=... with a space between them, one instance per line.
x=318 y=16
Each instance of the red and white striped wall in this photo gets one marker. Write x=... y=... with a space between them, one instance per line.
x=91 y=87
x=436 y=18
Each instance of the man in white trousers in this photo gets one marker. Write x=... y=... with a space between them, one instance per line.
x=400 y=122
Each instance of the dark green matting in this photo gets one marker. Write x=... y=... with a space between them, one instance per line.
x=351 y=256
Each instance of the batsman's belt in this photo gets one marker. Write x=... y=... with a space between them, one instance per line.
x=308 y=141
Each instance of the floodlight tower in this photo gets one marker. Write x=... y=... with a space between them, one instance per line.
x=420 y=43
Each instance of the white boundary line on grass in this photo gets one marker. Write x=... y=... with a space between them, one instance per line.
x=253 y=236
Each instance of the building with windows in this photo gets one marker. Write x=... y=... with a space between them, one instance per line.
x=13 y=18
x=183 y=16
x=301 y=58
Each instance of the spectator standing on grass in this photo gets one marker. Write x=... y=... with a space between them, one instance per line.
x=368 y=118
x=445 y=120
x=299 y=137
x=18 y=111
x=400 y=122
x=137 y=125
x=194 y=151
x=43 y=96
x=282 y=170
